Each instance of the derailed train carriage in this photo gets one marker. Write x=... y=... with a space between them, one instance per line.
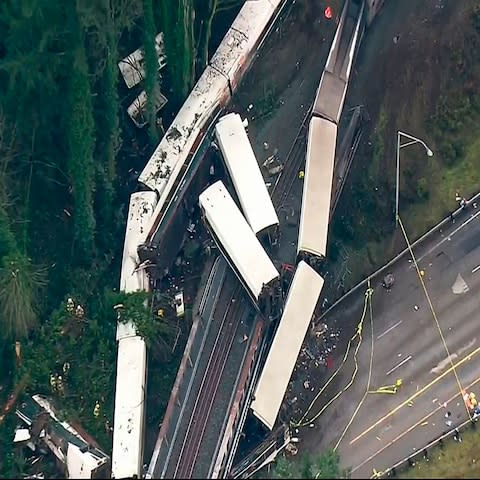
x=247 y=179
x=127 y=451
x=317 y=192
x=314 y=219
x=241 y=248
x=282 y=356
x=177 y=158
x=167 y=175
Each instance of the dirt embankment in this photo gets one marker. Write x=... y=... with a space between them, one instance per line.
x=418 y=71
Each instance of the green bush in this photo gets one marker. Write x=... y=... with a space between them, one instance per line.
x=422 y=189
x=324 y=465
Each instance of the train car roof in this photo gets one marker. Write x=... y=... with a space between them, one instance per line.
x=242 y=36
x=287 y=342
x=237 y=239
x=317 y=187
x=178 y=140
x=133 y=279
x=128 y=423
x=245 y=173
x=330 y=97
x=140 y=211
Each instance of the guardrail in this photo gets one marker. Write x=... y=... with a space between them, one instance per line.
x=415 y=244
x=409 y=462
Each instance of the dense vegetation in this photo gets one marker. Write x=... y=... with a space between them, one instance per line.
x=325 y=465
x=65 y=149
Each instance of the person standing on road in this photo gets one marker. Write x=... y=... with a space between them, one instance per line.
x=448 y=422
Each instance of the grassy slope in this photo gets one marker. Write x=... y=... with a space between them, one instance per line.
x=432 y=62
x=456 y=460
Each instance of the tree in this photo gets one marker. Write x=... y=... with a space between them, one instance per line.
x=34 y=43
x=151 y=70
x=81 y=141
x=284 y=468
x=176 y=23
x=325 y=465
x=108 y=138
x=213 y=7
x=7 y=239
x=204 y=35
x=82 y=349
x=20 y=283
x=136 y=309
x=103 y=23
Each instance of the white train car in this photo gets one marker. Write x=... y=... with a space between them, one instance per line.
x=163 y=172
x=245 y=36
x=332 y=89
x=281 y=359
x=317 y=187
x=129 y=416
x=140 y=211
x=245 y=173
x=236 y=240
x=128 y=427
x=210 y=91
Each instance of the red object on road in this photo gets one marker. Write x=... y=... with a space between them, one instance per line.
x=329 y=362
x=328 y=12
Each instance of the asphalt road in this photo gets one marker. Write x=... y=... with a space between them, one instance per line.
x=378 y=429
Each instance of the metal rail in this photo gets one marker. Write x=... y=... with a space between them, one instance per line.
x=208 y=389
x=293 y=162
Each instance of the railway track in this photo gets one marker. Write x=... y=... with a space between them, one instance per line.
x=293 y=161
x=186 y=461
x=209 y=386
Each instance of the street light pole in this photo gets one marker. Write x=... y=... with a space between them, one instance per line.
x=412 y=141
x=397 y=184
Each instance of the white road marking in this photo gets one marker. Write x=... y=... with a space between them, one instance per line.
x=389 y=329
x=469 y=345
x=448 y=238
x=475 y=269
x=441 y=365
x=405 y=360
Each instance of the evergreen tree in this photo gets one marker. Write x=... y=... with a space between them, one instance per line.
x=176 y=22
x=325 y=465
x=151 y=70
x=81 y=141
